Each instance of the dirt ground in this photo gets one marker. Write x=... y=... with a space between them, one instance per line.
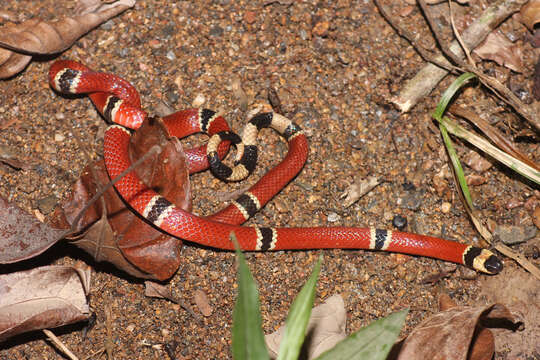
x=335 y=66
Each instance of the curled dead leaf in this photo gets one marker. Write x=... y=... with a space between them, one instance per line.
x=44 y=297
x=498 y=48
x=19 y=41
x=325 y=329
x=22 y=236
x=201 y=300
x=454 y=333
x=360 y=187
x=153 y=289
x=110 y=231
x=530 y=14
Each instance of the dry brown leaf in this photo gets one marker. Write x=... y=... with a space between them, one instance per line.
x=45 y=297
x=325 y=329
x=153 y=289
x=530 y=14
x=239 y=93
x=109 y=231
x=453 y=334
x=19 y=41
x=22 y=236
x=498 y=48
x=520 y=292
x=360 y=187
x=202 y=302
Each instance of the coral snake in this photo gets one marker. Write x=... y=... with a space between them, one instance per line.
x=118 y=101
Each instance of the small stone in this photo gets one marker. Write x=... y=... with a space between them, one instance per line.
x=475 y=180
x=281 y=206
x=411 y=201
x=250 y=17
x=399 y=222
x=198 y=101
x=47 y=204
x=216 y=31
x=333 y=217
x=59 y=137
x=321 y=28
x=130 y=327
x=467 y=274
x=512 y=234
x=170 y=55
x=154 y=43
x=476 y=162
x=445 y=207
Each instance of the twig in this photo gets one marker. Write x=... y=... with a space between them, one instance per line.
x=458 y=36
x=97 y=352
x=424 y=54
x=59 y=344
x=156 y=149
x=493 y=84
x=519 y=258
x=429 y=76
x=109 y=344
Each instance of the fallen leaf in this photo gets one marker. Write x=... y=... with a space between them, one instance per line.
x=452 y=334
x=520 y=292
x=201 y=300
x=19 y=41
x=22 y=236
x=325 y=329
x=498 y=48
x=239 y=93
x=360 y=187
x=530 y=14
x=110 y=231
x=153 y=289
x=40 y=298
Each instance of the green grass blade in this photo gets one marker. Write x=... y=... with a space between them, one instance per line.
x=438 y=115
x=373 y=342
x=484 y=145
x=458 y=169
x=449 y=94
x=298 y=318
x=247 y=335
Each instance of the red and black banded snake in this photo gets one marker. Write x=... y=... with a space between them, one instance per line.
x=118 y=101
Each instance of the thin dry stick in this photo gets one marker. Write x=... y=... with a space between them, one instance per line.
x=519 y=258
x=493 y=84
x=97 y=352
x=431 y=74
x=424 y=54
x=59 y=344
x=156 y=149
x=458 y=36
x=109 y=344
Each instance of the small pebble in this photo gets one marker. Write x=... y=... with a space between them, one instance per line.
x=198 y=101
x=59 y=137
x=321 y=28
x=250 y=17
x=333 y=217
x=512 y=234
x=445 y=207
x=170 y=55
x=399 y=222
x=47 y=204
